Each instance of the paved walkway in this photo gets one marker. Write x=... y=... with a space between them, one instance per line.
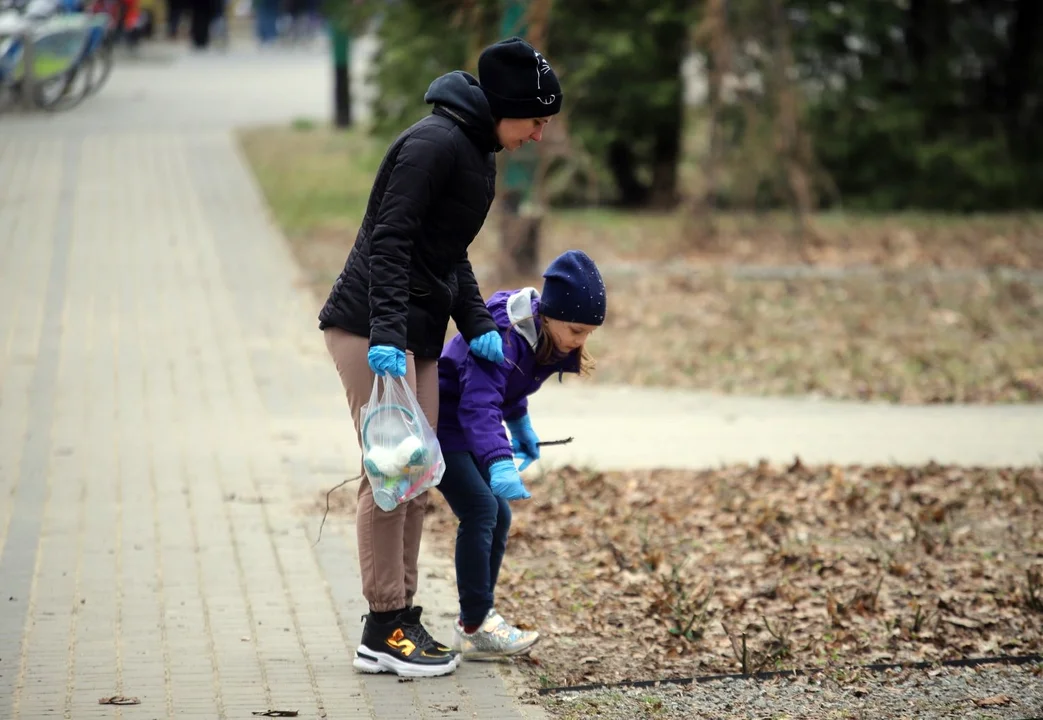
x=630 y=427
x=168 y=416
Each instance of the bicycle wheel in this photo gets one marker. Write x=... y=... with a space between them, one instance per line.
x=101 y=67
x=64 y=91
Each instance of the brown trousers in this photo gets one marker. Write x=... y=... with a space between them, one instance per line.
x=389 y=542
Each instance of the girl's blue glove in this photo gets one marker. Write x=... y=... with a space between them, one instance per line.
x=524 y=442
x=506 y=482
x=488 y=347
x=387 y=359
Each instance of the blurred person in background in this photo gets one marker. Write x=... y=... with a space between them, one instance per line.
x=266 y=15
x=175 y=10
x=203 y=14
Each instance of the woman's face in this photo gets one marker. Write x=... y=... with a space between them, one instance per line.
x=515 y=132
x=568 y=336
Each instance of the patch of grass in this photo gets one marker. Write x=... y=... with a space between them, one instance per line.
x=313 y=177
x=304 y=124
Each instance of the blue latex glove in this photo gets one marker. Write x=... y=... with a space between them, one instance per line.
x=387 y=359
x=524 y=442
x=506 y=482
x=488 y=347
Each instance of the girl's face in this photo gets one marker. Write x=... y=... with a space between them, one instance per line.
x=568 y=336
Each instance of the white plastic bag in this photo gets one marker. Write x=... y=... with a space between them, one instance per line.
x=400 y=450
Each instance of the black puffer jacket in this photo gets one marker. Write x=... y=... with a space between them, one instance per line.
x=408 y=272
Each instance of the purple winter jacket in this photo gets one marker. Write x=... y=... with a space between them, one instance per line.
x=476 y=396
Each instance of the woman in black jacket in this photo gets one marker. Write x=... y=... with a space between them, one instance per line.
x=407 y=274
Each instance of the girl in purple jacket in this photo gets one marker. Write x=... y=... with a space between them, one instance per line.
x=544 y=334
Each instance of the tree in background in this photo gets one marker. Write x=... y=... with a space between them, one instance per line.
x=881 y=105
x=420 y=40
x=930 y=104
x=792 y=145
x=758 y=151
x=624 y=88
x=625 y=91
x=712 y=33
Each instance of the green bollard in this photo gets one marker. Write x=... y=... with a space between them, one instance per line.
x=341 y=44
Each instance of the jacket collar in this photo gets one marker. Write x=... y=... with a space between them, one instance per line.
x=483 y=139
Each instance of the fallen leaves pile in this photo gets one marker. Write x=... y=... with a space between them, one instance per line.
x=653 y=574
x=897 y=338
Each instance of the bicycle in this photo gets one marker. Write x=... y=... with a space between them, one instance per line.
x=72 y=55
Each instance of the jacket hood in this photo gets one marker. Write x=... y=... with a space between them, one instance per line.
x=458 y=96
x=519 y=310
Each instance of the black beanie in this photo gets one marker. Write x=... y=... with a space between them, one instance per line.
x=517 y=80
x=573 y=290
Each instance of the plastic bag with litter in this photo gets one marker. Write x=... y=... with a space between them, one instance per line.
x=400 y=450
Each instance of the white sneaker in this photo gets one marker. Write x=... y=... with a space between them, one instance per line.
x=493 y=639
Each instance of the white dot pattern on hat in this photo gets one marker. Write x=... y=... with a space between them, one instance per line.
x=574 y=290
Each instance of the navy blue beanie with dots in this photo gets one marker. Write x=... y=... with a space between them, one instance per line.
x=573 y=290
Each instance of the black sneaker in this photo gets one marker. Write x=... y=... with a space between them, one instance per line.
x=412 y=616
x=403 y=647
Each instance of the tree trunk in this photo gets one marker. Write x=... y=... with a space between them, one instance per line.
x=793 y=147
x=713 y=32
x=666 y=148
x=916 y=31
x=666 y=154
x=1026 y=36
x=927 y=34
x=623 y=166
x=519 y=255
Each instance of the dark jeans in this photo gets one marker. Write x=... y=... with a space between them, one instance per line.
x=481 y=539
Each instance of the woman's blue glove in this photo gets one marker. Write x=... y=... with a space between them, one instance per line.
x=506 y=482
x=524 y=442
x=387 y=359
x=488 y=347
